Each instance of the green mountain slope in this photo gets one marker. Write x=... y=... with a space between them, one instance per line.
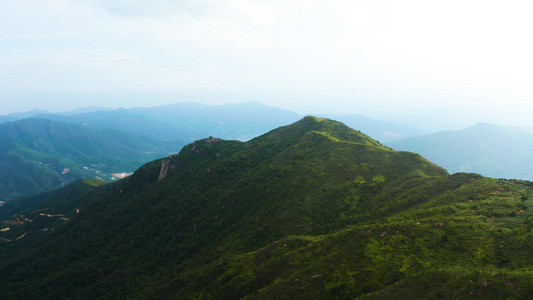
x=313 y=210
x=490 y=150
x=38 y=155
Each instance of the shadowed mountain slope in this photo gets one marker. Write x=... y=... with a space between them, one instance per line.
x=310 y=210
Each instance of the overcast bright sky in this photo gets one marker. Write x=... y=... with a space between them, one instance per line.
x=452 y=62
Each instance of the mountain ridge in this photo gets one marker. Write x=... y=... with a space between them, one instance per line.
x=191 y=120
x=309 y=210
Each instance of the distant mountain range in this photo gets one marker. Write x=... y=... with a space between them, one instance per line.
x=23 y=115
x=490 y=150
x=312 y=210
x=189 y=121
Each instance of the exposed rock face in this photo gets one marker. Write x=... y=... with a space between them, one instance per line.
x=171 y=163
x=168 y=165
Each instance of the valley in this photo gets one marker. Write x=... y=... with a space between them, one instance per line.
x=37 y=155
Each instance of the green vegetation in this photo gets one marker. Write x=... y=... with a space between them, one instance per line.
x=314 y=210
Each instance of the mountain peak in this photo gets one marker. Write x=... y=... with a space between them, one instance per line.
x=313 y=120
x=311 y=125
x=316 y=120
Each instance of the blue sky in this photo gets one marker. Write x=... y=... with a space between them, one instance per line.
x=440 y=64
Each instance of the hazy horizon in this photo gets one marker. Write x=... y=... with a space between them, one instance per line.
x=435 y=65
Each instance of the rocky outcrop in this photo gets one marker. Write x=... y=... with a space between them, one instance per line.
x=169 y=165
